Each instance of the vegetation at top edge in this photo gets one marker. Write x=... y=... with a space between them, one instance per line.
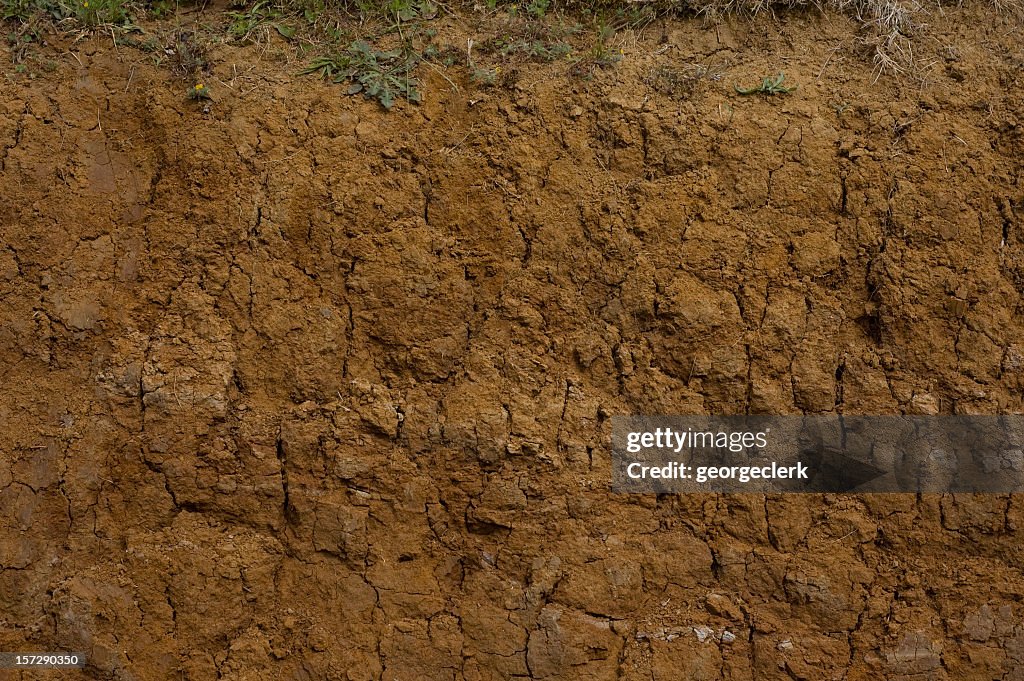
x=87 y=12
x=601 y=54
x=399 y=10
x=26 y=22
x=889 y=31
x=377 y=74
x=25 y=10
x=532 y=49
x=386 y=75
x=244 y=23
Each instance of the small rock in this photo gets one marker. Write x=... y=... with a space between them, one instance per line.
x=924 y=403
x=703 y=633
x=720 y=605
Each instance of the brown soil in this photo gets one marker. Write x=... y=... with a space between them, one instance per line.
x=297 y=389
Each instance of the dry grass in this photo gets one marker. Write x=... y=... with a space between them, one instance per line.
x=889 y=28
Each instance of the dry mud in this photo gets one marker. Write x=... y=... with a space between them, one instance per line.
x=297 y=389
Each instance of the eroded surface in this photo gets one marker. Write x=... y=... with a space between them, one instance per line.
x=296 y=389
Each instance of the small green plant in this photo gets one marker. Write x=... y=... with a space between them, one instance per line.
x=483 y=76
x=312 y=9
x=533 y=50
x=396 y=12
x=407 y=10
x=101 y=12
x=23 y=11
x=161 y=8
x=602 y=55
x=770 y=85
x=538 y=8
x=199 y=91
x=245 y=23
x=446 y=56
x=380 y=75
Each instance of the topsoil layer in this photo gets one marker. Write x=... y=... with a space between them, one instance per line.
x=297 y=389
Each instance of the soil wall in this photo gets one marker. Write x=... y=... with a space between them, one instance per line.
x=297 y=389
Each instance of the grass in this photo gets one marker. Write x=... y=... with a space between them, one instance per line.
x=377 y=74
x=244 y=24
x=23 y=11
x=602 y=54
x=405 y=10
x=347 y=32
x=88 y=13
x=530 y=49
x=101 y=12
x=770 y=85
x=31 y=20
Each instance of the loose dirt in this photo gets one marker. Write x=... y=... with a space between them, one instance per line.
x=295 y=388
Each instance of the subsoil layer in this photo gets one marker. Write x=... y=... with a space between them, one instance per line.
x=295 y=388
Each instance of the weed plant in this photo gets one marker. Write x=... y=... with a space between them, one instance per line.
x=770 y=85
x=377 y=74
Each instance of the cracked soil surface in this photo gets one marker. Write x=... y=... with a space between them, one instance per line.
x=297 y=389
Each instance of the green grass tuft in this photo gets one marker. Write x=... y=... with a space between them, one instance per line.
x=770 y=85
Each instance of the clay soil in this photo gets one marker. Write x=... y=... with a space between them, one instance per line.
x=295 y=388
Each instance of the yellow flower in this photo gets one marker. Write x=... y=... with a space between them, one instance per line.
x=200 y=86
x=85 y=4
